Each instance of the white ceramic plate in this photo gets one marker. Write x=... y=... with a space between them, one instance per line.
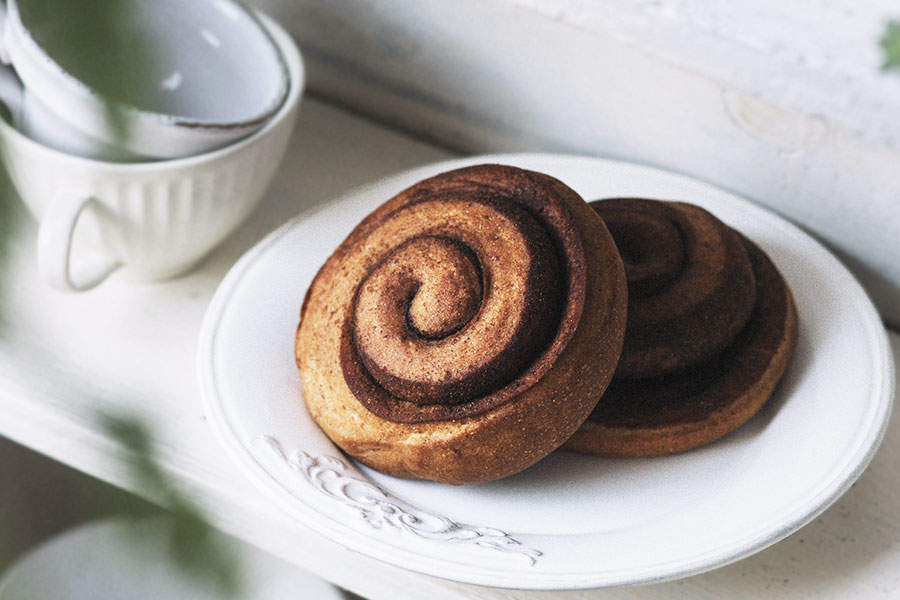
x=570 y=521
x=118 y=559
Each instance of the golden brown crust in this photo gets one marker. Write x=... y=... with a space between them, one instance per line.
x=677 y=411
x=455 y=334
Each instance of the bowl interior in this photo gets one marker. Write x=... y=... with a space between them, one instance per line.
x=203 y=61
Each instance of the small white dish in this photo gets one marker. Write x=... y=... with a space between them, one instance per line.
x=116 y=559
x=571 y=521
x=214 y=76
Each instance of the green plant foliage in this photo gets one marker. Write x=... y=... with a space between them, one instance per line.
x=890 y=44
x=193 y=542
x=99 y=42
x=102 y=44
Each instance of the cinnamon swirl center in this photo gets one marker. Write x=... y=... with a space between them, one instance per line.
x=466 y=297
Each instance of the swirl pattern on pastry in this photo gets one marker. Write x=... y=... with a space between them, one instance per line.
x=690 y=283
x=422 y=308
x=442 y=338
x=673 y=410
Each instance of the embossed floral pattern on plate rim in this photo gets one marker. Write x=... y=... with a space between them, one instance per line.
x=330 y=476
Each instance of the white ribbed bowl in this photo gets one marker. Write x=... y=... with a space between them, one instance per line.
x=158 y=219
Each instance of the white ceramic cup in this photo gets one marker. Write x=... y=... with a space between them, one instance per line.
x=151 y=220
x=212 y=75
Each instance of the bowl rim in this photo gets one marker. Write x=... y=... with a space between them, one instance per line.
x=42 y=72
x=296 y=80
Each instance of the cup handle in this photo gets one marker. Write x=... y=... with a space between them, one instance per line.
x=55 y=236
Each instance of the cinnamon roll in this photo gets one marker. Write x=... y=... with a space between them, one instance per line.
x=466 y=328
x=711 y=329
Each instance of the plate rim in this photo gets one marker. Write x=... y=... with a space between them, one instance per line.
x=826 y=495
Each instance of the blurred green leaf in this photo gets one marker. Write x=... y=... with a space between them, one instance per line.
x=100 y=43
x=103 y=45
x=890 y=44
x=194 y=544
x=196 y=548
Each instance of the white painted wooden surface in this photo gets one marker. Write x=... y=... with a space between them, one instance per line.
x=782 y=102
x=129 y=349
